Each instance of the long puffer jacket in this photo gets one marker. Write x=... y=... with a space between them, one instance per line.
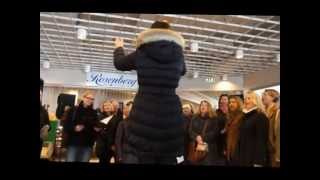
x=155 y=127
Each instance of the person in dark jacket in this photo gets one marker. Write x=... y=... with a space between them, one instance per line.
x=79 y=129
x=222 y=112
x=121 y=137
x=106 y=129
x=155 y=129
x=44 y=119
x=188 y=114
x=118 y=110
x=206 y=115
x=234 y=118
x=252 y=148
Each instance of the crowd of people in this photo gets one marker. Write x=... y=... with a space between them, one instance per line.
x=237 y=133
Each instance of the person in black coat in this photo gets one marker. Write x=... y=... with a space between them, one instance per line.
x=106 y=129
x=222 y=112
x=79 y=129
x=188 y=114
x=155 y=129
x=252 y=148
x=121 y=138
x=44 y=119
x=206 y=115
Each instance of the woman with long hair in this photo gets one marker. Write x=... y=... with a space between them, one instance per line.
x=106 y=130
x=270 y=99
x=252 y=148
x=204 y=129
x=234 y=118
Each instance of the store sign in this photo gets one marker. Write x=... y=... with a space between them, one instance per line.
x=112 y=80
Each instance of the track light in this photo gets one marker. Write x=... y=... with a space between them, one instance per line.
x=195 y=74
x=210 y=80
x=239 y=54
x=194 y=46
x=82 y=33
x=225 y=77
x=46 y=64
x=87 y=68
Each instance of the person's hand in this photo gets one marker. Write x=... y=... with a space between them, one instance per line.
x=79 y=128
x=199 y=139
x=118 y=42
x=97 y=129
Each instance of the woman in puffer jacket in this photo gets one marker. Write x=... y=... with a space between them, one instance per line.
x=155 y=129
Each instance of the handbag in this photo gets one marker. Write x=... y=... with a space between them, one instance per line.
x=198 y=152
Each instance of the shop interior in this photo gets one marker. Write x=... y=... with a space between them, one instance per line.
x=224 y=54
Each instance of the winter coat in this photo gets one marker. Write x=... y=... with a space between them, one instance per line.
x=106 y=137
x=121 y=140
x=187 y=121
x=274 y=134
x=156 y=125
x=252 y=145
x=232 y=133
x=210 y=137
x=79 y=115
x=221 y=141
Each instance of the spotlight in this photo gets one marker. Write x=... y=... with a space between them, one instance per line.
x=239 y=54
x=194 y=46
x=195 y=74
x=82 y=33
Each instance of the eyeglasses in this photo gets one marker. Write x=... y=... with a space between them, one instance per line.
x=92 y=99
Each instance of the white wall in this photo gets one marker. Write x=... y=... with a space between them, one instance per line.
x=261 y=79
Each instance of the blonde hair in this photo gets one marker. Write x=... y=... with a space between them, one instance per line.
x=105 y=102
x=190 y=106
x=86 y=93
x=256 y=99
x=273 y=93
x=211 y=112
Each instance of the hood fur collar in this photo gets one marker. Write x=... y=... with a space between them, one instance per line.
x=153 y=35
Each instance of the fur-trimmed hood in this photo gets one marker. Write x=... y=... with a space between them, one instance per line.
x=153 y=35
